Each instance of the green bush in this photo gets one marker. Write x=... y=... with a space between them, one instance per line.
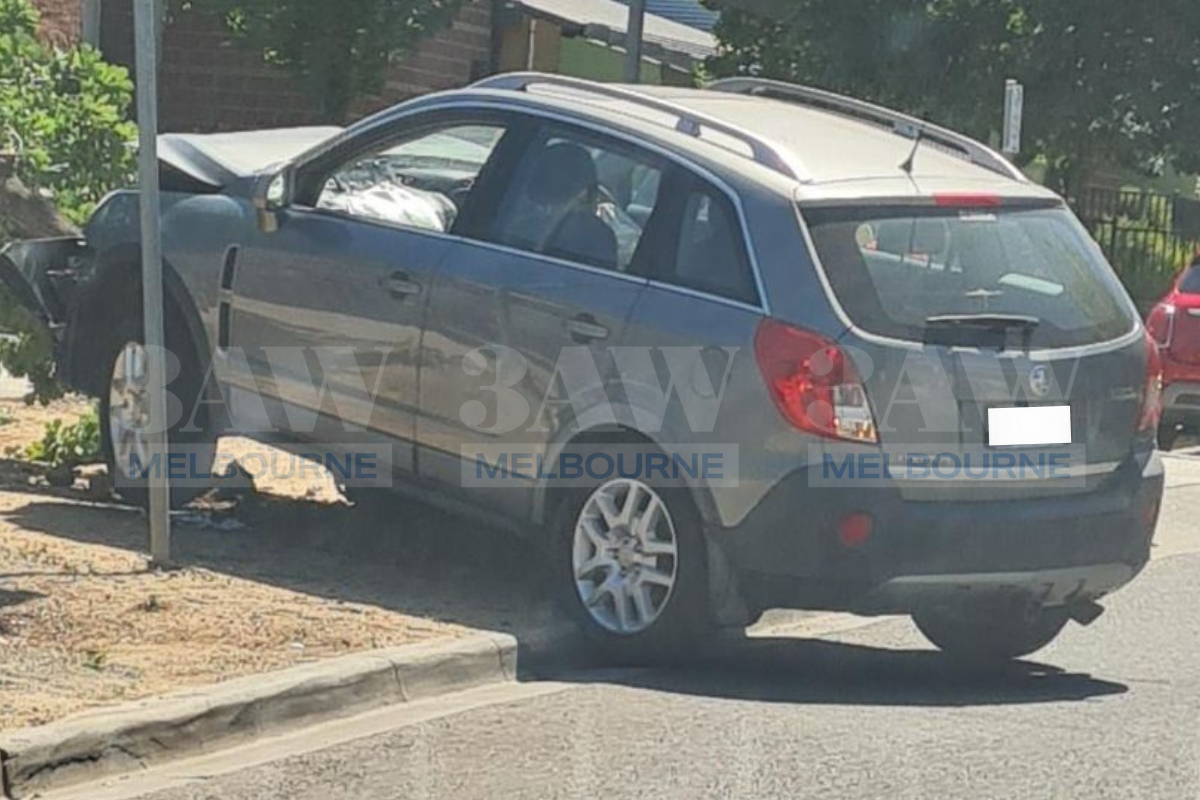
x=64 y=113
x=27 y=351
x=68 y=446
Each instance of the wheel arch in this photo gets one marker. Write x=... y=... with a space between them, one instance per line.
x=726 y=605
x=544 y=500
x=117 y=271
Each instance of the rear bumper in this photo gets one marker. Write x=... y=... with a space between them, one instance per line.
x=1047 y=586
x=1181 y=387
x=1069 y=547
x=1182 y=399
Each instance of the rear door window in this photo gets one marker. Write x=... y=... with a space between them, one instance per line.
x=893 y=269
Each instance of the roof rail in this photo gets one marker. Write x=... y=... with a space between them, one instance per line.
x=689 y=122
x=901 y=123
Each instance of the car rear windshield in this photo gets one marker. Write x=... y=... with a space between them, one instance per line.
x=1191 y=281
x=894 y=269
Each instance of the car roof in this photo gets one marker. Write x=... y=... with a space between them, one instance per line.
x=832 y=147
x=834 y=155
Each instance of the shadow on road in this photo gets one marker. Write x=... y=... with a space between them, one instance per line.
x=812 y=671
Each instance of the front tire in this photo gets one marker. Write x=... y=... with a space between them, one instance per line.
x=630 y=566
x=991 y=632
x=124 y=412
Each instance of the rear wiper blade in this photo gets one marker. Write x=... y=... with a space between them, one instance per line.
x=986 y=321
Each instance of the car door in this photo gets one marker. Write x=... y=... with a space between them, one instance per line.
x=704 y=302
x=328 y=309
x=527 y=305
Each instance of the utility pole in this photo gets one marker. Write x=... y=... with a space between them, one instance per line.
x=146 y=19
x=633 y=41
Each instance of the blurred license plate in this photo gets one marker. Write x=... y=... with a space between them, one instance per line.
x=1029 y=426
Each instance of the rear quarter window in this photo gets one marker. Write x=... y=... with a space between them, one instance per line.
x=709 y=253
x=894 y=268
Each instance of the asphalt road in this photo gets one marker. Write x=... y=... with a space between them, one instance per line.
x=1109 y=711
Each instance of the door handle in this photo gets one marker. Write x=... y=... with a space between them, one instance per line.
x=400 y=286
x=585 y=328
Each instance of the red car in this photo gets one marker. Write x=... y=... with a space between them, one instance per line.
x=1174 y=322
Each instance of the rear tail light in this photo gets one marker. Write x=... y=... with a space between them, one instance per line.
x=1152 y=389
x=814 y=385
x=1161 y=324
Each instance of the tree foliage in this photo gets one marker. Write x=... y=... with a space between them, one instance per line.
x=339 y=49
x=1108 y=83
x=66 y=140
x=62 y=114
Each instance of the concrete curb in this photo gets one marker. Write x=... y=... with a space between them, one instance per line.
x=132 y=737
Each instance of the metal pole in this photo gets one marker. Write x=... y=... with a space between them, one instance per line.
x=633 y=41
x=146 y=44
x=530 y=55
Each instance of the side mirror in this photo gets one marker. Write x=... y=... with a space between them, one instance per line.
x=270 y=196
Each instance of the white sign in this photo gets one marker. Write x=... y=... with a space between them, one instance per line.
x=1014 y=108
x=1033 y=425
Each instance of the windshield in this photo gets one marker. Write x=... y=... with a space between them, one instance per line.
x=895 y=268
x=1191 y=281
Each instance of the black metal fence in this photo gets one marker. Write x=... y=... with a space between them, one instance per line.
x=1148 y=236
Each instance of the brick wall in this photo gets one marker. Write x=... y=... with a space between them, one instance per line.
x=452 y=58
x=61 y=20
x=210 y=82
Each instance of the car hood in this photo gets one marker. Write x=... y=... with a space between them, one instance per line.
x=214 y=159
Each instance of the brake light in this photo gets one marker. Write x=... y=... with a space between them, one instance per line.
x=967 y=200
x=1152 y=389
x=813 y=384
x=1161 y=324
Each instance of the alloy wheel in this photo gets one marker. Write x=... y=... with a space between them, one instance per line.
x=129 y=407
x=625 y=556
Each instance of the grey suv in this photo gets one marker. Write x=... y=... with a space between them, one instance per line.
x=841 y=358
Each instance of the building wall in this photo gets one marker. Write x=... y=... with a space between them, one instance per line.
x=212 y=82
x=61 y=20
x=514 y=41
x=584 y=58
x=457 y=56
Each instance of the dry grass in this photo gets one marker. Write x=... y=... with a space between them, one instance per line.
x=294 y=575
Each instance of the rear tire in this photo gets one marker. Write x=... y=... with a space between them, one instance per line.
x=990 y=632
x=629 y=564
x=123 y=389
x=1168 y=434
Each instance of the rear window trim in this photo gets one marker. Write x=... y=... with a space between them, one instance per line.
x=1134 y=334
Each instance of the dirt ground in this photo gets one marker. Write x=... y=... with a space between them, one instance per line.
x=272 y=576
